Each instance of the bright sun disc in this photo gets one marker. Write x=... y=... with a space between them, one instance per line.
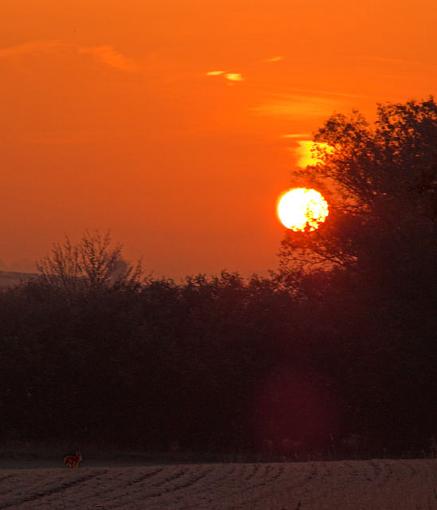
x=302 y=209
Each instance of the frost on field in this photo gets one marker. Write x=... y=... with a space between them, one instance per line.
x=387 y=484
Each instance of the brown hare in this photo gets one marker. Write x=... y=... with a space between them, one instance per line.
x=73 y=461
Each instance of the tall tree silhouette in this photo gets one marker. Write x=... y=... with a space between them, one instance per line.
x=381 y=183
x=377 y=250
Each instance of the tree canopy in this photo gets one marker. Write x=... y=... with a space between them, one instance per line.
x=381 y=185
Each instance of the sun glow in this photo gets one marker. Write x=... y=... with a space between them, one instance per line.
x=302 y=209
x=311 y=153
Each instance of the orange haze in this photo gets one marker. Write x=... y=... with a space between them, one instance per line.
x=175 y=123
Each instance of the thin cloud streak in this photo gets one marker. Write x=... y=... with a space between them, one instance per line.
x=230 y=76
x=297 y=136
x=30 y=48
x=299 y=106
x=215 y=73
x=274 y=60
x=106 y=55
x=234 y=77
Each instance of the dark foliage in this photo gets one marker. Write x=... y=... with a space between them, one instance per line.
x=337 y=359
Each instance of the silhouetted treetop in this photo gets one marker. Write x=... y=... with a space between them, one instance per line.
x=93 y=263
x=397 y=156
x=381 y=185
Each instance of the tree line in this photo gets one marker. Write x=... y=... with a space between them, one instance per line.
x=336 y=347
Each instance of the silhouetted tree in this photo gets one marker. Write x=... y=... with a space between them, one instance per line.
x=381 y=184
x=378 y=250
x=92 y=263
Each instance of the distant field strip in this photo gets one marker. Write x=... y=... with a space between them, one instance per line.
x=354 y=485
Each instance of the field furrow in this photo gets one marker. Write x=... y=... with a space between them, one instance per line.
x=350 y=485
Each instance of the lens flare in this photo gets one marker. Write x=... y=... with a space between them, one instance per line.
x=302 y=209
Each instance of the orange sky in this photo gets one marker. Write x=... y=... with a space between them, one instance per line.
x=109 y=119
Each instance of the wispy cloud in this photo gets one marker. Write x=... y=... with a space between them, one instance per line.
x=385 y=60
x=273 y=60
x=109 y=56
x=230 y=76
x=106 y=55
x=297 y=136
x=30 y=48
x=298 y=106
x=234 y=76
x=215 y=73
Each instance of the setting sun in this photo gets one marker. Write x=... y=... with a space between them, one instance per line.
x=302 y=209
